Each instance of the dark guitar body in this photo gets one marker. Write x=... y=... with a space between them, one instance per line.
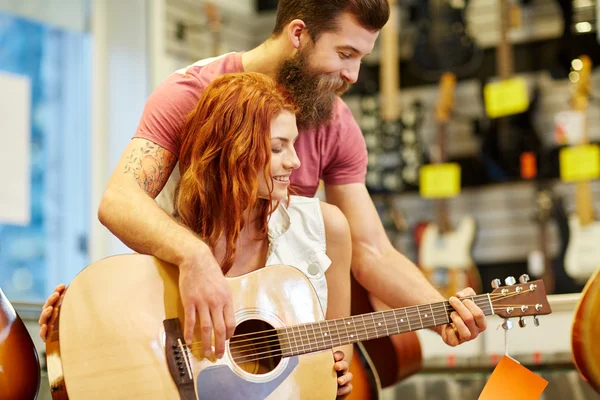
x=19 y=363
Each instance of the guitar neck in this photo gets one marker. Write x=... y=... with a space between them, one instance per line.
x=504 y=59
x=584 y=206
x=390 y=67
x=312 y=337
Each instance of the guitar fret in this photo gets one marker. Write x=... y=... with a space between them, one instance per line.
x=301 y=348
x=432 y=314
x=396 y=321
x=387 y=332
x=365 y=327
x=420 y=319
x=407 y=320
x=314 y=340
x=293 y=337
x=339 y=338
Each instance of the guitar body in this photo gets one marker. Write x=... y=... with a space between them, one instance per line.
x=112 y=337
x=506 y=139
x=446 y=258
x=394 y=358
x=442 y=43
x=586 y=331
x=19 y=364
x=582 y=258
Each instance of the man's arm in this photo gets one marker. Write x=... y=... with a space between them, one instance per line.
x=128 y=210
x=392 y=277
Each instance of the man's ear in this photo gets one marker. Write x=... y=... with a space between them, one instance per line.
x=297 y=33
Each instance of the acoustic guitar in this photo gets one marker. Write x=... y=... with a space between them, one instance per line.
x=19 y=363
x=586 y=331
x=444 y=252
x=118 y=332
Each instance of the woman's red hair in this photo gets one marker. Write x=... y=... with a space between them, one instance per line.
x=225 y=146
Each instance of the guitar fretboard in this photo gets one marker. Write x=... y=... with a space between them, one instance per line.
x=308 y=338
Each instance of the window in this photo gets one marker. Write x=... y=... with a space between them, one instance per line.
x=52 y=246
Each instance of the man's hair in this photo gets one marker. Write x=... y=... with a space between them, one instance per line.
x=226 y=146
x=323 y=15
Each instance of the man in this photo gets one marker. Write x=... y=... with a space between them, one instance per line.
x=315 y=52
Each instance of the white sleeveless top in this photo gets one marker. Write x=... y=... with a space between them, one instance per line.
x=297 y=239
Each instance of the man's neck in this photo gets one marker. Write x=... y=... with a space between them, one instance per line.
x=267 y=57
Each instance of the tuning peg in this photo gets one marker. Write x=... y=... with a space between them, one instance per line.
x=522 y=322
x=496 y=283
x=524 y=278
x=510 y=280
x=507 y=324
x=536 y=321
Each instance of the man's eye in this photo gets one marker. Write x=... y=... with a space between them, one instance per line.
x=344 y=55
x=276 y=150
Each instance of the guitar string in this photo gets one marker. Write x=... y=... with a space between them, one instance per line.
x=343 y=321
x=438 y=311
x=306 y=335
x=306 y=348
x=438 y=306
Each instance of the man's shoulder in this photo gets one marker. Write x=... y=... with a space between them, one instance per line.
x=206 y=70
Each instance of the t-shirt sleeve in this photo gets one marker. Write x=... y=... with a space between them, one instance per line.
x=167 y=109
x=346 y=152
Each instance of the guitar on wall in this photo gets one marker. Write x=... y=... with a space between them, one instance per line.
x=444 y=253
x=442 y=42
x=583 y=253
x=118 y=332
x=586 y=331
x=393 y=141
x=507 y=137
x=19 y=363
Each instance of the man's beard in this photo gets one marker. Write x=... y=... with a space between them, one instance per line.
x=314 y=93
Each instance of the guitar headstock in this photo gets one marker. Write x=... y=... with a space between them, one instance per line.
x=446 y=97
x=581 y=77
x=527 y=298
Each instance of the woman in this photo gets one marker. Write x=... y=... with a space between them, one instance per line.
x=237 y=156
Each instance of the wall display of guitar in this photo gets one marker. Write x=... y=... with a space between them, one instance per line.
x=118 y=332
x=442 y=42
x=445 y=253
x=392 y=137
x=549 y=206
x=583 y=253
x=19 y=364
x=505 y=139
x=586 y=331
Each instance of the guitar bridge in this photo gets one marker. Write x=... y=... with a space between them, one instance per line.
x=178 y=359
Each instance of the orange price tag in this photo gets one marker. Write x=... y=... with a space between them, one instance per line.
x=511 y=380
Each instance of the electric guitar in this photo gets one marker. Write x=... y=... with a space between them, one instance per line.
x=583 y=253
x=506 y=138
x=444 y=253
x=119 y=335
x=19 y=364
x=586 y=331
x=442 y=42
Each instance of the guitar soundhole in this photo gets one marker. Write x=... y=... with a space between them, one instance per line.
x=255 y=347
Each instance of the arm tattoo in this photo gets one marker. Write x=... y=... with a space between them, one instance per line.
x=151 y=165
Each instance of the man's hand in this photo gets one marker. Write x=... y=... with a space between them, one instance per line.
x=47 y=309
x=344 y=376
x=207 y=301
x=468 y=321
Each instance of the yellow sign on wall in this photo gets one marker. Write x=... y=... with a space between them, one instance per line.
x=440 y=180
x=506 y=97
x=579 y=163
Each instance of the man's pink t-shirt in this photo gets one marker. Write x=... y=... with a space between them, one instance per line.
x=335 y=153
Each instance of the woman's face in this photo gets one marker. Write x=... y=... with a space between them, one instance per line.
x=283 y=156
